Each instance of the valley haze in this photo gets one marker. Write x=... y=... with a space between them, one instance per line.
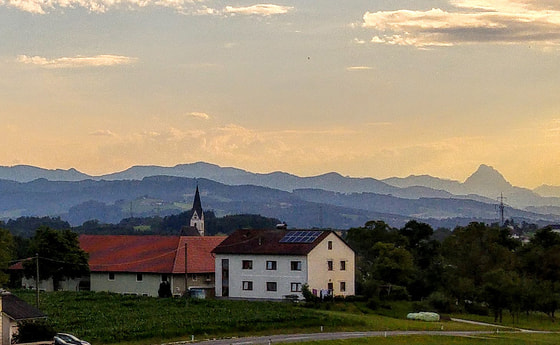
x=328 y=200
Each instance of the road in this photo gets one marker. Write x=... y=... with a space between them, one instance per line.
x=293 y=338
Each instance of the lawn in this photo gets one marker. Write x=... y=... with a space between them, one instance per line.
x=114 y=318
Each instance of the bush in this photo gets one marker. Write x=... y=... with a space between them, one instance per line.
x=31 y=331
x=395 y=293
x=373 y=303
x=439 y=302
x=419 y=306
x=307 y=294
x=476 y=308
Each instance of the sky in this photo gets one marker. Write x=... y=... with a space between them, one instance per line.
x=364 y=88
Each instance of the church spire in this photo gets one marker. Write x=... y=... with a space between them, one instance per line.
x=197 y=219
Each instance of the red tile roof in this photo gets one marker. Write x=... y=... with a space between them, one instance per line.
x=149 y=254
x=200 y=258
x=250 y=241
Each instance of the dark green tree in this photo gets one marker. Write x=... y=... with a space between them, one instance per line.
x=428 y=261
x=60 y=255
x=382 y=259
x=6 y=254
x=470 y=254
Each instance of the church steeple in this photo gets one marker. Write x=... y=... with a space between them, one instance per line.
x=197 y=219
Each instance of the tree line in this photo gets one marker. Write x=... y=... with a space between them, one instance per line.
x=477 y=268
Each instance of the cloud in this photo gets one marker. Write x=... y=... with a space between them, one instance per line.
x=77 y=61
x=358 y=41
x=260 y=10
x=103 y=133
x=358 y=68
x=186 y=7
x=96 y=6
x=472 y=21
x=198 y=115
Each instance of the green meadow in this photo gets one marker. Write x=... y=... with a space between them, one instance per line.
x=105 y=318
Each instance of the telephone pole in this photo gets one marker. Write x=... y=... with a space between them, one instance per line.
x=37 y=280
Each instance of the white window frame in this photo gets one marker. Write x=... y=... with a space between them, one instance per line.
x=271 y=265
x=249 y=264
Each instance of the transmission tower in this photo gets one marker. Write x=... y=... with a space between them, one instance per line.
x=501 y=207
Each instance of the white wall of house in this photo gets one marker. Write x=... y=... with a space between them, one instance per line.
x=341 y=276
x=5 y=333
x=258 y=281
x=144 y=284
x=47 y=285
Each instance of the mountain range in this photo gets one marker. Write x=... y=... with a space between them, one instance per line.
x=328 y=200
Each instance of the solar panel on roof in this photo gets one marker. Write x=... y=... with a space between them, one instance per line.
x=301 y=236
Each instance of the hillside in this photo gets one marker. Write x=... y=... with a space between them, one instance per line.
x=110 y=201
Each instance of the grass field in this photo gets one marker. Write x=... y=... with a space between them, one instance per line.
x=113 y=318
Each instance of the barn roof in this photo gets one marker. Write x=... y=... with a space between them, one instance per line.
x=149 y=254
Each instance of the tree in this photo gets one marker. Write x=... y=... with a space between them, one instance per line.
x=6 y=252
x=428 y=261
x=392 y=265
x=382 y=259
x=471 y=253
x=500 y=290
x=60 y=255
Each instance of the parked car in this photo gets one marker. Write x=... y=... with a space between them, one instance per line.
x=68 y=339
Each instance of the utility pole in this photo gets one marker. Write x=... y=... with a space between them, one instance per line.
x=37 y=280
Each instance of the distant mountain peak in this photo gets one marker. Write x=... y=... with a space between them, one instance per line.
x=486 y=178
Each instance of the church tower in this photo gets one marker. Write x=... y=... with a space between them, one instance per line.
x=197 y=219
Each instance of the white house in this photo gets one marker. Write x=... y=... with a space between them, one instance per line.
x=274 y=264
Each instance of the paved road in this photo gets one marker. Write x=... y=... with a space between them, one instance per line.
x=292 y=338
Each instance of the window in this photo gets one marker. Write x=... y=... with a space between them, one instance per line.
x=330 y=265
x=342 y=286
x=194 y=277
x=295 y=287
x=329 y=245
x=164 y=277
x=295 y=265
x=111 y=276
x=271 y=265
x=248 y=285
x=330 y=287
x=271 y=286
x=343 y=265
x=139 y=277
x=247 y=264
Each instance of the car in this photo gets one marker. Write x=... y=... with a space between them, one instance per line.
x=68 y=339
